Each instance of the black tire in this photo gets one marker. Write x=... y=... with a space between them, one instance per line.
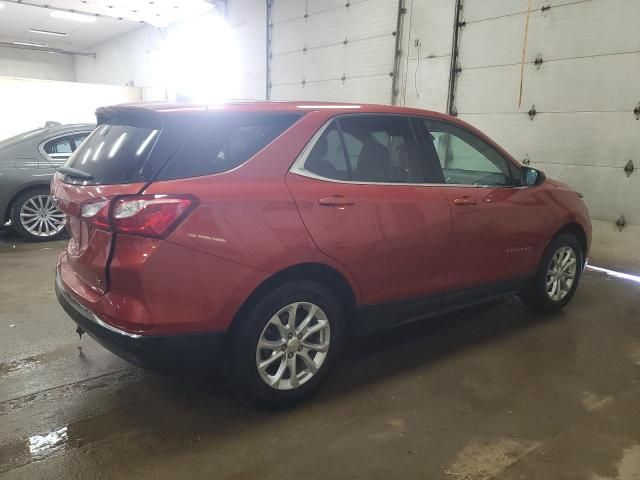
x=16 y=222
x=242 y=370
x=535 y=295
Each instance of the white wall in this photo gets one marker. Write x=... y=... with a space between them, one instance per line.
x=32 y=102
x=248 y=20
x=126 y=61
x=139 y=58
x=19 y=62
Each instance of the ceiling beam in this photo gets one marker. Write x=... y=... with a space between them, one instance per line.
x=47 y=49
x=89 y=14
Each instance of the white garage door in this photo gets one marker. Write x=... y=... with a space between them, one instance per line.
x=332 y=50
x=584 y=88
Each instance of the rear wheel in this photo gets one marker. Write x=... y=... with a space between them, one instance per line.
x=557 y=277
x=286 y=344
x=36 y=218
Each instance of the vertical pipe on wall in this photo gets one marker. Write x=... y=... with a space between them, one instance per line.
x=268 y=51
x=453 y=72
x=397 y=53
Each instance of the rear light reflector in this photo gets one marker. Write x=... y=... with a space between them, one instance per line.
x=150 y=215
x=144 y=215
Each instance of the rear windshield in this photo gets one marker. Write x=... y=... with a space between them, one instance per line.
x=223 y=142
x=114 y=153
x=183 y=147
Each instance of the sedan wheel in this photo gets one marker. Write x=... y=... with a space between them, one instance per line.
x=40 y=217
x=293 y=346
x=35 y=217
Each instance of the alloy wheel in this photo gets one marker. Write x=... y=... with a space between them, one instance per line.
x=40 y=217
x=561 y=273
x=293 y=346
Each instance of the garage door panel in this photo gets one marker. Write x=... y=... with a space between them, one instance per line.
x=427 y=83
x=600 y=139
x=289 y=37
x=586 y=29
x=333 y=62
x=489 y=90
x=317 y=6
x=361 y=20
x=474 y=10
x=285 y=10
x=335 y=52
x=607 y=192
x=369 y=90
x=435 y=37
x=563 y=86
x=579 y=84
x=370 y=19
x=491 y=43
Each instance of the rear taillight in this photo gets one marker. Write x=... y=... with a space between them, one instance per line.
x=145 y=215
x=96 y=212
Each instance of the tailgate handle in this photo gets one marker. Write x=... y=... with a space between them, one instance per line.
x=462 y=201
x=335 y=201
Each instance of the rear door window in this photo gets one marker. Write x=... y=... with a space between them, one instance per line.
x=222 y=142
x=59 y=146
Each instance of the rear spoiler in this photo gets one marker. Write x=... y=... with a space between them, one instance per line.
x=127 y=115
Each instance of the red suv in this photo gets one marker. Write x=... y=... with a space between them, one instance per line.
x=260 y=236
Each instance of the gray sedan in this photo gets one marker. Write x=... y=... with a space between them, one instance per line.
x=27 y=163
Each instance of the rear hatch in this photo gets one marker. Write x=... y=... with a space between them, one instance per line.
x=120 y=157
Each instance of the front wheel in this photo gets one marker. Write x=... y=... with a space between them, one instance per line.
x=36 y=218
x=556 y=280
x=286 y=344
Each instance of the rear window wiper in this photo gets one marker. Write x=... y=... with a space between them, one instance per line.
x=74 y=172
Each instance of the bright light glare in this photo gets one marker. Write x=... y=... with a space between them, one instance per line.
x=116 y=145
x=202 y=59
x=97 y=152
x=613 y=273
x=76 y=17
x=86 y=156
x=30 y=44
x=144 y=144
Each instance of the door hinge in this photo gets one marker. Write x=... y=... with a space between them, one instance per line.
x=636 y=111
x=629 y=168
x=539 y=61
x=532 y=112
x=621 y=222
x=526 y=161
x=546 y=7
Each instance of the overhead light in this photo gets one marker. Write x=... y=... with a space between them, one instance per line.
x=76 y=17
x=29 y=44
x=47 y=32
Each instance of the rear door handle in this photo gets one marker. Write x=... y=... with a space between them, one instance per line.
x=462 y=201
x=335 y=201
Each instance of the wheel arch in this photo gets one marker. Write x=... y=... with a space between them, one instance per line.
x=6 y=215
x=327 y=276
x=575 y=229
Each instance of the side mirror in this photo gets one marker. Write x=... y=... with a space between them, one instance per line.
x=530 y=177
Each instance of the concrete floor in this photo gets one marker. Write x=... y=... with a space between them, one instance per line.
x=493 y=392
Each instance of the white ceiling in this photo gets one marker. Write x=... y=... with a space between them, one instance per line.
x=115 y=17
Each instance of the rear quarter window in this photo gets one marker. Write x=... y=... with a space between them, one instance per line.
x=222 y=142
x=115 y=154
